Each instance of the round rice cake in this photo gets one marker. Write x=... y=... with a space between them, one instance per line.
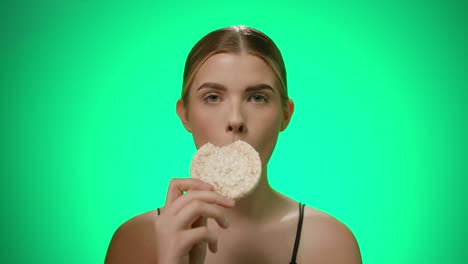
x=234 y=170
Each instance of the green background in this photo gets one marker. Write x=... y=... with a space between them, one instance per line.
x=90 y=137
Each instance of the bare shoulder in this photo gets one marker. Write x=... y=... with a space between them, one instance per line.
x=133 y=241
x=325 y=239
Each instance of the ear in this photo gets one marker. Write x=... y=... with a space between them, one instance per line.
x=182 y=113
x=287 y=114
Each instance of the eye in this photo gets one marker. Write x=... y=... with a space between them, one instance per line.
x=259 y=98
x=212 y=98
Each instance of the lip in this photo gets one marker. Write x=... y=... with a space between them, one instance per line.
x=225 y=143
x=235 y=138
x=228 y=142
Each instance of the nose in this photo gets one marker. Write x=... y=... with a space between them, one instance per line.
x=235 y=127
x=236 y=122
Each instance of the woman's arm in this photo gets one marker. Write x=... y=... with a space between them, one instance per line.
x=134 y=241
x=328 y=241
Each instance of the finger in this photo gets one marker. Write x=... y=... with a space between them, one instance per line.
x=177 y=186
x=201 y=221
x=213 y=247
x=192 y=237
x=199 y=210
x=204 y=196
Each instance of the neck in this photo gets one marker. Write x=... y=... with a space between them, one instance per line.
x=257 y=205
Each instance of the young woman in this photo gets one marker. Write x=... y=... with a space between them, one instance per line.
x=234 y=87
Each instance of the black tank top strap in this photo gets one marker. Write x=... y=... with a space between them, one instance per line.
x=159 y=212
x=298 y=233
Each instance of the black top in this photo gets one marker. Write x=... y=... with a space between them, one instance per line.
x=298 y=233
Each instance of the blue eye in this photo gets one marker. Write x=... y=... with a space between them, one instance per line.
x=258 y=98
x=212 y=98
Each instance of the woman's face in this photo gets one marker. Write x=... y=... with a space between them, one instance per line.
x=235 y=96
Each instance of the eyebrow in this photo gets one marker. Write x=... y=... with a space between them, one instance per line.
x=212 y=85
x=218 y=86
x=258 y=87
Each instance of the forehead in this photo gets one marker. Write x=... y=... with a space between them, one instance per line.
x=235 y=70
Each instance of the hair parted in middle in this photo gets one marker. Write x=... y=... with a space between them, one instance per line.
x=237 y=40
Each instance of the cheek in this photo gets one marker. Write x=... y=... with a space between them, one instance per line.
x=268 y=122
x=206 y=126
x=267 y=129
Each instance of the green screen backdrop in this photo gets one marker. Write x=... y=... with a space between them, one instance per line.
x=90 y=137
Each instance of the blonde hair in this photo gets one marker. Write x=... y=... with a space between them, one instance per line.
x=235 y=39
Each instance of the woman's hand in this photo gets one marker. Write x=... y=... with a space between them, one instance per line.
x=182 y=233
